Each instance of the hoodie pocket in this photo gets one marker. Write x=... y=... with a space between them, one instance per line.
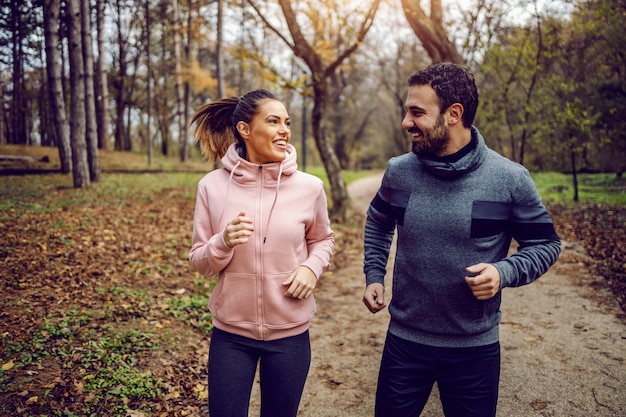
x=234 y=299
x=281 y=311
x=244 y=299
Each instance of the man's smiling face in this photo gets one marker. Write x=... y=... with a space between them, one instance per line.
x=425 y=123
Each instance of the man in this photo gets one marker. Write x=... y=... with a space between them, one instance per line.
x=456 y=205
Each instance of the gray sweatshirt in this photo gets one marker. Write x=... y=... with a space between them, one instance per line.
x=451 y=213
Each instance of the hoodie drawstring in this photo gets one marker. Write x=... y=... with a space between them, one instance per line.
x=230 y=179
x=269 y=217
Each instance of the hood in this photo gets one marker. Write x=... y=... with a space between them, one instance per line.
x=244 y=171
x=450 y=168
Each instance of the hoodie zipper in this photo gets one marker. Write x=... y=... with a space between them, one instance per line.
x=259 y=244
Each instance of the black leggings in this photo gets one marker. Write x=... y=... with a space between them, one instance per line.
x=284 y=365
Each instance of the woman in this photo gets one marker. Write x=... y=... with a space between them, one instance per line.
x=263 y=226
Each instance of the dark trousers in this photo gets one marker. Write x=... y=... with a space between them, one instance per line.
x=283 y=368
x=467 y=379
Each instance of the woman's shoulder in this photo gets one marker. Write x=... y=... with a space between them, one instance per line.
x=214 y=175
x=307 y=179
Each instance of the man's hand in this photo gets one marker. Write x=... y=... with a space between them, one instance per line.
x=301 y=283
x=238 y=230
x=374 y=297
x=485 y=282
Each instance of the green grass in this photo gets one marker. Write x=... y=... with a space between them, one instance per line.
x=348 y=176
x=592 y=188
x=106 y=362
x=35 y=194
x=49 y=193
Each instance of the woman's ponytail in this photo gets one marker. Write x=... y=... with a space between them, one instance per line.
x=214 y=127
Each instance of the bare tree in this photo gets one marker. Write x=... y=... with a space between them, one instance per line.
x=80 y=168
x=91 y=132
x=149 y=84
x=219 y=50
x=52 y=11
x=17 y=129
x=101 y=85
x=321 y=69
x=126 y=24
x=430 y=30
x=178 y=82
x=187 y=88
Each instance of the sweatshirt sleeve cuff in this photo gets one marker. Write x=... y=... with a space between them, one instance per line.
x=316 y=266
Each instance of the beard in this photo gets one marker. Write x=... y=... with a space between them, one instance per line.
x=434 y=140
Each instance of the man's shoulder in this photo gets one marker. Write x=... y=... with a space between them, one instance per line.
x=502 y=162
x=404 y=160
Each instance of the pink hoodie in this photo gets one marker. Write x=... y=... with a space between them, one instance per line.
x=291 y=228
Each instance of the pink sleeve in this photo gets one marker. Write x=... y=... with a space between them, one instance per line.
x=209 y=254
x=320 y=238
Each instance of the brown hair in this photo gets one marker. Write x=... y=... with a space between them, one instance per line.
x=453 y=84
x=216 y=127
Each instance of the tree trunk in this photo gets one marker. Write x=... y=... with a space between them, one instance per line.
x=319 y=76
x=122 y=142
x=178 y=83
x=219 y=65
x=17 y=133
x=187 y=87
x=574 y=173
x=3 y=115
x=338 y=190
x=91 y=131
x=52 y=9
x=149 y=85
x=101 y=84
x=430 y=31
x=80 y=168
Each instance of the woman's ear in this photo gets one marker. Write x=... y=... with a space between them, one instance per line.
x=244 y=129
x=456 y=113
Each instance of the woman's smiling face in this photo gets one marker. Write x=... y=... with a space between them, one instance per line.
x=268 y=134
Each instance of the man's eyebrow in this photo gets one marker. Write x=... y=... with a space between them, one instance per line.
x=414 y=107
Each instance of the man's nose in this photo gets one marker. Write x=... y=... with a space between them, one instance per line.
x=407 y=123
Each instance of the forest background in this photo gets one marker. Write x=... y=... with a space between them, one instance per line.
x=85 y=75
x=91 y=89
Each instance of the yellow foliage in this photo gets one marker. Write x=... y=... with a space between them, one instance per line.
x=198 y=78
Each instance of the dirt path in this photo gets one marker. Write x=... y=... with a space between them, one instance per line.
x=563 y=345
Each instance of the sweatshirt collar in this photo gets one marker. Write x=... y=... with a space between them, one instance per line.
x=242 y=170
x=465 y=160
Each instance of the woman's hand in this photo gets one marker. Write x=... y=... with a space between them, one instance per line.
x=238 y=230
x=301 y=283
